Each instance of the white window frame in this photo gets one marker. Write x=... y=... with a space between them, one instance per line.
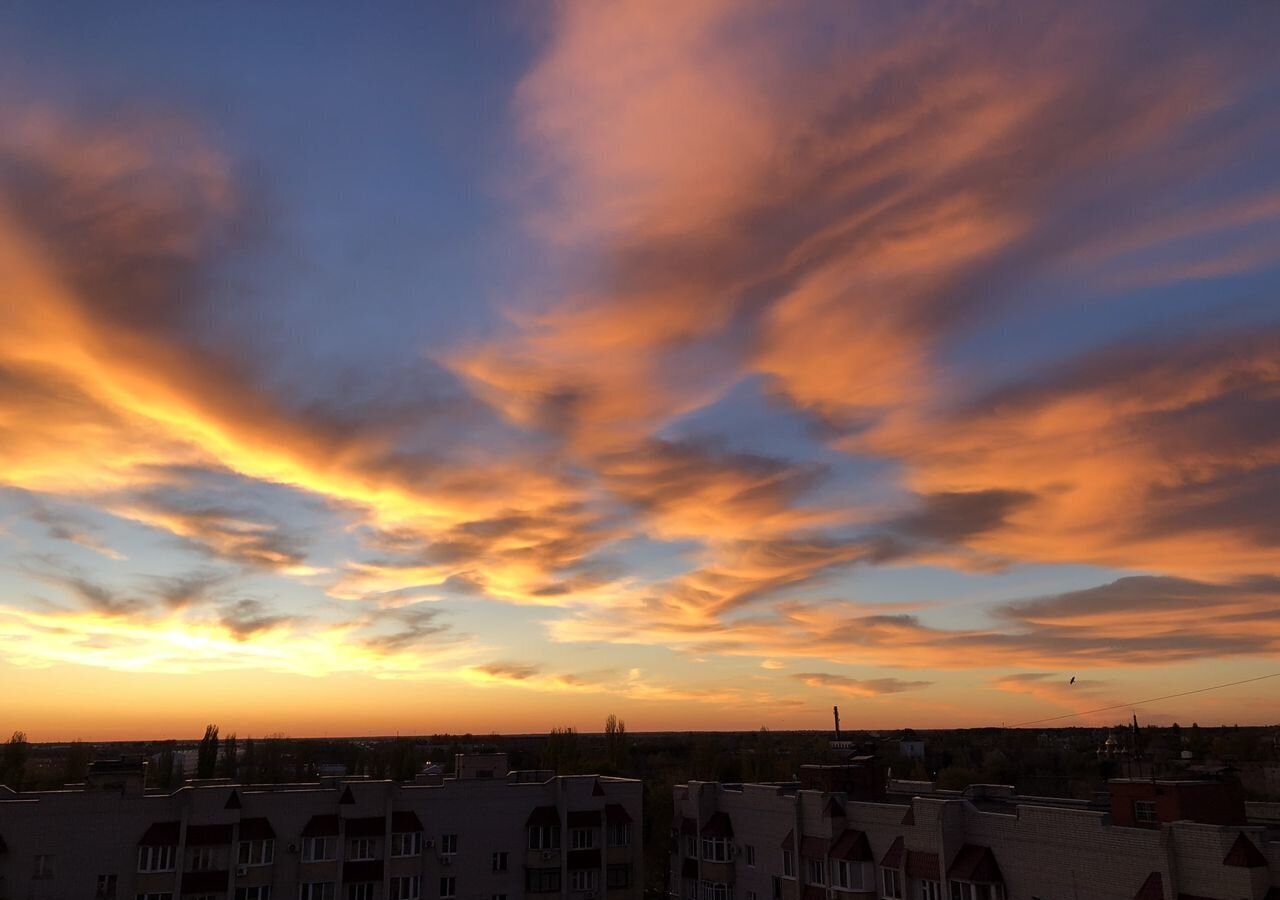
x=406 y=843
x=499 y=861
x=930 y=889
x=788 y=864
x=317 y=890
x=362 y=890
x=405 y=887
x=619 y=834
x=815 y=872
x=448 y=844
x=448 y=886
x=362 y=848
x=583 y=879
x=157 y=858
x=751 y=855
x=715 y=890
x=254 y=892
x=320 y=848
x=890 y=884
x=544 y=837
x=257 y=853
x=715 y=849
x=582 y=838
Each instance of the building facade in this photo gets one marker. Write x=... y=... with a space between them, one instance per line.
x=807 y=841
x=487 y=834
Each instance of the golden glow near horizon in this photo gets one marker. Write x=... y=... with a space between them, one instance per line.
x=913 y=359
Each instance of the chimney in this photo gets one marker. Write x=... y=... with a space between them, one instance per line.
x=835 y=711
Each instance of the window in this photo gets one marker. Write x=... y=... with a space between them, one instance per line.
x=106 y=889
x=500 y=862
x=964 y=890
x=751 y=855
x=203 y=859
x=542 y=881
x=406 y=887
x=690 y=845
x=361 y=848
x=813 y=872
x=448 y=886
x=930 y=890
x=448 y=844
x=691 y=890
x=849 y=876
x=715 y=890
x=544 y=837
x=582 y=838
x=361 y=891
x=891 y=884
x=317 y=849
x=156 y=859
x=257 y=892
x=777 y=888
x=751 y=895
x=156 y=895
x=43 y=866
x=619 y=834
x=1144 y=811
x=617 y=876
x=257 y=853
x=406 y=843
x=582 y=879
x=715 y=849
x=316 y=890
x=788 y=864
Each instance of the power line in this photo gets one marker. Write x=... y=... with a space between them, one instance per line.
x=1089 y=712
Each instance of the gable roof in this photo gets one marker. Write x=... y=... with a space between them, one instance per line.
x=616 y=814
x=543 y=817
x=321 y=826
x=975 y=863
x=405 y=820
x=257 y=829
x=922 y=865
x=1152 y=888
x=719 y=825
x=893 y=857
x=161 y=834
x=852 y=846
x=1244 y=853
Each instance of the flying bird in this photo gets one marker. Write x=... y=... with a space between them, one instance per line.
x=1073 y=680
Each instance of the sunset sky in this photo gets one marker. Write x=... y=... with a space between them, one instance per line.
x=447 y=367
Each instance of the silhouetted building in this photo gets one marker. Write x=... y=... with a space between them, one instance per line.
x=489 y=834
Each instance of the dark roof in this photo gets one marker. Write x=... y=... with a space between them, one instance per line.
x=1152 y=888
x=204 y=882
x=832 y=809
x=852 y=846
x=583 y=859
x=233 y=800
x=403 y=820
x=161 y=834
x=688 y=826
x=813 y=847
x=320 y=826
x=208 y=835
x=975 y=863
x=543 y=816
x=616 y=814
x=1244 y=853
x=922 y=865
x=257 y=829
x=362 y=870
x=584 y=818
x=910 y=817
x=689 y=868
x=597 y=789
x=789 y=842
x=366 y=826
x=893 y=856
x=347 y=797
x=719 y=825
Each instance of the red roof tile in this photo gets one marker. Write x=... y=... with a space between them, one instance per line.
x=893 y=857
x=922 y=865
x=975 y=863
x=852 y=846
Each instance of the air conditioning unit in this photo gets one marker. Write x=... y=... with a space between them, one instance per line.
x=293 y=848
x=428 y=843
x=242 y=871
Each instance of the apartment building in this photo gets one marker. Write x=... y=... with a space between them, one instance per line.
x=483 y=834
x=823 y=838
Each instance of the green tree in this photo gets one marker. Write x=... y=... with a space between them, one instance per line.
x=13 y=764
x=616 y=745
x=230 y=760
x=77 y=763
x=207 y=755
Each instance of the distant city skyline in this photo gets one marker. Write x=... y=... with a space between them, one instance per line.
x=498 y=367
